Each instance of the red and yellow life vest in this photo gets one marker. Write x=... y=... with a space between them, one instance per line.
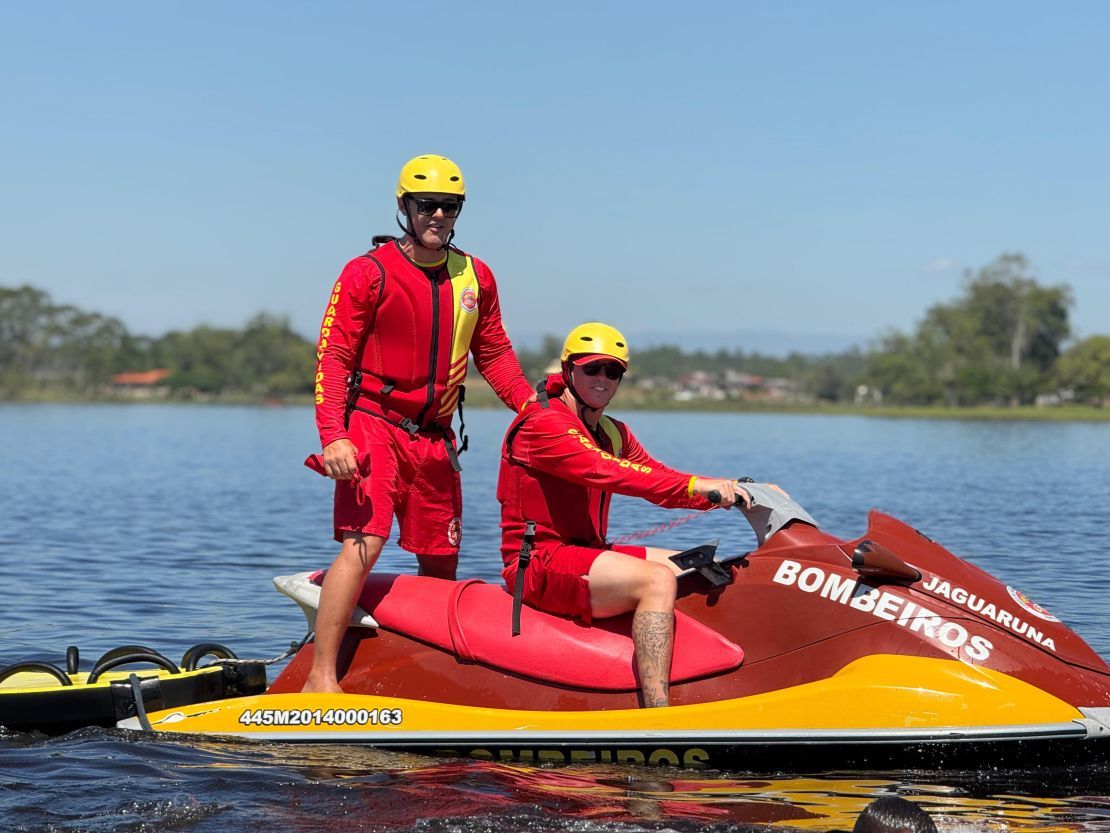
x=433 y=313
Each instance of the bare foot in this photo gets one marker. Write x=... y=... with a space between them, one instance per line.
x=321 y=686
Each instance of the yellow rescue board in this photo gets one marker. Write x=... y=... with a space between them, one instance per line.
x=37 y=682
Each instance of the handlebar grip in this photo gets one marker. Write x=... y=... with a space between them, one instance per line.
x=714 y=496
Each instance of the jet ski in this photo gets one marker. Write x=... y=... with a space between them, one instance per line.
x=807 y=651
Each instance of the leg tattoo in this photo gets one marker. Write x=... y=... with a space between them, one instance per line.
x=653 y=636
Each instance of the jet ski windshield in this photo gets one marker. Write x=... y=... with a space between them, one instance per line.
x=772 y=510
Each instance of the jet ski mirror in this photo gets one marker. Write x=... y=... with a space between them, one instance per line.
x=703 y=560
x=874 y=560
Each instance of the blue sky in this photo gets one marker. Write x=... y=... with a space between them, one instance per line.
x=759 y=174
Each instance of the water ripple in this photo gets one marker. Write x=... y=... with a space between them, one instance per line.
x=164 y=525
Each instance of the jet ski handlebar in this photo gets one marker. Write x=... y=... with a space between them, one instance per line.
x=715 y=497
x=771 y=508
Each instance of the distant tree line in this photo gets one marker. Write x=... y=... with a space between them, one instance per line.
x=50 y=349
x=829 y=377
x=1000 y=342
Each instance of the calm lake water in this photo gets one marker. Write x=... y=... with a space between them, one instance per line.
x=163 y=525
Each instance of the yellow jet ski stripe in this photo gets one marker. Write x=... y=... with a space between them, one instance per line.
x=872 y=693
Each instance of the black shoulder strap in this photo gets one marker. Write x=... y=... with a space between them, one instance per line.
x=511 y=435
x=354 y=383
x=523 y=559
x=544 y=402
x=381 y=286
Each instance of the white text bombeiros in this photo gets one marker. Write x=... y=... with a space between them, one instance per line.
x=847 y=590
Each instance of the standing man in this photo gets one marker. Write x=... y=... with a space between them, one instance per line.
x=400 y=324
x=561 y=462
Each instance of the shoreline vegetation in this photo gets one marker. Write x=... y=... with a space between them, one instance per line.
x=1002 y=350
x=481 y=397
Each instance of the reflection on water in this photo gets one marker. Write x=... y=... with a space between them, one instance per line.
x=123 y=782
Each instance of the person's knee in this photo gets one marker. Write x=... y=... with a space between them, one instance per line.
x=361 y=550
x=658 y=585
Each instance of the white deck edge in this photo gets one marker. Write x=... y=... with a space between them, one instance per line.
x=305 y=593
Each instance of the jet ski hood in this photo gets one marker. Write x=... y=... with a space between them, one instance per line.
x=952 y=588
x=958 y=588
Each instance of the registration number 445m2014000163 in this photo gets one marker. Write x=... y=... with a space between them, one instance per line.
x=322 y=717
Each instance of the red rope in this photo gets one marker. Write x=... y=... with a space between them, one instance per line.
x=655 y=530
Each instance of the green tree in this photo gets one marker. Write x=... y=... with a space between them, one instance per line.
x=88 y=353
x=271 y=360
x=1022 y=323
x=1085 y=368
x=200 y=360
x=905 y=372
x=44 y=345
x=997 y=342
x=832 y=378
x=25 y=314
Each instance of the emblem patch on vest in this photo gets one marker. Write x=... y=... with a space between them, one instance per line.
x=454 y=532
x=468 y=300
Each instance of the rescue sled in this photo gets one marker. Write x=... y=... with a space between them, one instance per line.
x=42 y=697
x=807 y=652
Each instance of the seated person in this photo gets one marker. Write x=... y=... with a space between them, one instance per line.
x=561 y=462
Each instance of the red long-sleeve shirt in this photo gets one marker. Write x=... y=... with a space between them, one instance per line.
x=555 y=472
x=408 y=330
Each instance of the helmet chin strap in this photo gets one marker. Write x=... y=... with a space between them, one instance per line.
x=408 y=229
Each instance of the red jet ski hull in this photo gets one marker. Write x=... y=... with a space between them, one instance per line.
x=798 y=611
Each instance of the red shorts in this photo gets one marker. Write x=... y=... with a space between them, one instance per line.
x=410 y=477
x=556 y=578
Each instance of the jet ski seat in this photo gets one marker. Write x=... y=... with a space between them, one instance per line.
x=472 y=619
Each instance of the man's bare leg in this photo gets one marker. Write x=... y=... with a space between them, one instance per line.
x=663 y=556
x=337 y=600
x=619 y=583
x=653 y=636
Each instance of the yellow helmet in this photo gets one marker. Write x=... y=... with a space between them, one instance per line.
x=430 y=174
x=595 y=340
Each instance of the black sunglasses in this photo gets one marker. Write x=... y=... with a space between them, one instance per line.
x=612 y=371
x=427 y=207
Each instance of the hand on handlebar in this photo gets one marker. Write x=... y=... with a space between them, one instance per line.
x=722 y=491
